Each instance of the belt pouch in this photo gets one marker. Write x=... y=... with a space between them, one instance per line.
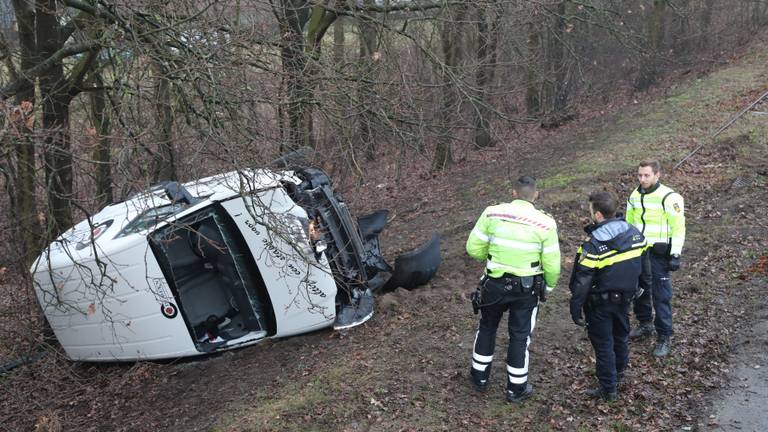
x=527 y=282
x=660 y=249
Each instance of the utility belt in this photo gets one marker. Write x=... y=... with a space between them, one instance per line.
x=512 y=283
x=613 y=297
x=505 y=289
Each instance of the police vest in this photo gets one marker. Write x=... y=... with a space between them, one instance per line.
x=517 y=239
x=659 y=215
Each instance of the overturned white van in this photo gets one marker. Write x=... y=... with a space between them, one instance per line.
x=217 y=263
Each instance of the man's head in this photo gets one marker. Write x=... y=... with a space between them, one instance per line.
x=525 y=188
x=648 y=173
x=602 y=205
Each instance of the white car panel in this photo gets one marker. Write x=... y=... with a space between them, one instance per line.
x=302 y=290
x=113 y=310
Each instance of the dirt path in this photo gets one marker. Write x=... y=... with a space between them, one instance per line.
x=405 y=370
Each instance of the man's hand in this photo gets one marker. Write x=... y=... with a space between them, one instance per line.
x=474 y=298
x=578 y=320
x=674 y=262
x=543 y=293
x=577 y=317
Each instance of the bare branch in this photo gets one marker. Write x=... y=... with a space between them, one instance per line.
x=414 y=7
x=37 y=70
x=5 y=54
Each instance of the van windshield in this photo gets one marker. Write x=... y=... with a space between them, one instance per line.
x=150 y=218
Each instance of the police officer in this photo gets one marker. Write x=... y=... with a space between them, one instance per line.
x=520 y=247
x=658 y=212
x=609 y=267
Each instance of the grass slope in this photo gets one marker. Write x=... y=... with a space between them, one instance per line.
x=408 y=371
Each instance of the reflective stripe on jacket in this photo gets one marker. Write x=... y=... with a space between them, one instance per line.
x=613 y=259
x=659 y=214
x=518 y=239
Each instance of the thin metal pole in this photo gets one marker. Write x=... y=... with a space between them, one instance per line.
x=722 y=128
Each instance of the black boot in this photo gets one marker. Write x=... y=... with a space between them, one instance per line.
x=513 y=397
x=599 y=392
x=663 y=346
x=480 y=383
x=642 y=330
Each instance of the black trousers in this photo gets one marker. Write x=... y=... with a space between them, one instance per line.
x=522 y=307
x=658 y=299
x=608 y=330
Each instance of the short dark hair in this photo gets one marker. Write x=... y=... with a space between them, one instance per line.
x=525 y=186
x=604 y=202
x=653 y=163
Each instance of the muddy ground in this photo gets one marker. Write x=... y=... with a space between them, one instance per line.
x=406 y=369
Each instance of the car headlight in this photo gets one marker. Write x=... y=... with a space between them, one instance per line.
x=316 y=236
x=296 y=230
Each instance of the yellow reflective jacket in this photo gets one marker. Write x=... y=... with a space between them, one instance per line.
x=518 y=239
x=659 y=214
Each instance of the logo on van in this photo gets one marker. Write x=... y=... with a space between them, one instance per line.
x=169 y=310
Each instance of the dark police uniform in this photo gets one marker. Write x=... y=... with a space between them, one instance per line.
x=609 y=266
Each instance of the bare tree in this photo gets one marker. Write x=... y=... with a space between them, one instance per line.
x=448 y=112
x=555 y=84
x=489 y=17
x=649 y=66
x=102 y=154
x=164 y=163
x=20 y=154
x=368 y=56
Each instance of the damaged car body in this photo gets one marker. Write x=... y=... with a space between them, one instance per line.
x=218 y=263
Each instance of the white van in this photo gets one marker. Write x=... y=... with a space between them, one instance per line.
x=217 y=263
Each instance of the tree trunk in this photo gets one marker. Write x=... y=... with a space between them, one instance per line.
x=365 y=90
x=763 y=12
x=555 y=87
x=339 y=38
x=102 y=122
x=58 y=158
x=451 y=43
x=487 y=41
x=649 y=69
x=21 y=187
x=55 y=122
x=758 y=14
x=533 y=85
x=300 y=56
x=682 y=37
x=706 y=23
x=298 y=109
x=164 y=165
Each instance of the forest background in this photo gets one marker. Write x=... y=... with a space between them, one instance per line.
x=101 y=99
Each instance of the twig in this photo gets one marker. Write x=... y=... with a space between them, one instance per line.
x=722 y=128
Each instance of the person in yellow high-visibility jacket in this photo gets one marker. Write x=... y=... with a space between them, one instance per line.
x=658 y=213
x=520 y=248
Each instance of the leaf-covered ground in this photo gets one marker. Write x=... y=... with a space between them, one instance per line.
x=406 y=369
